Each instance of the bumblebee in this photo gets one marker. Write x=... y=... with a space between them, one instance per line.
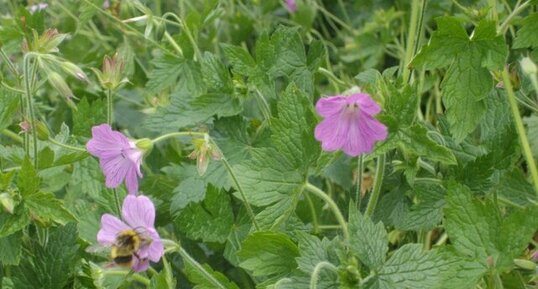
x=124 y=249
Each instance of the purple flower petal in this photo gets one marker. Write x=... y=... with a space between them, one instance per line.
x=110 y=227
x=105 y=142
x=119 y=158
x=140 y=265
x=349 y=124
x=366 y=104
x=156 y=248
x=329 y=106
x=292 y=6
x=138 y=212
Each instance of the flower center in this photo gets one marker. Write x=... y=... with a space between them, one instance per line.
x=352 y=108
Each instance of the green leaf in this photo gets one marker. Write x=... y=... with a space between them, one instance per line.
x=273 y=258
x=268 y=177
x=201 y=281
x=465 y=86
x=526 y=35
x=11 y=223
x=28 y=181
x=312 y=251
x=417 y=140
x=50 y=265
x=292 y=129
x=164 y=279
x=291 y=59
x=368 y=241
x=467 y=81
x=532 y=132
x=472 y=226
x=8 y=106
x=167 y=71
x=446 y=42
x=240 y=59
x=10 y=249
x=428 y=212
x=516 y=232
x=210 y=220
x=88 y=115
x=190 y=190
x=514 y=188
x=411 y=267
x=46 y=206
x=185 y=110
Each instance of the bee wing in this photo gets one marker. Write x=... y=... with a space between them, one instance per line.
x=97 y=249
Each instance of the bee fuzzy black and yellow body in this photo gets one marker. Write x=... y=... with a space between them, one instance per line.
x=124 y=250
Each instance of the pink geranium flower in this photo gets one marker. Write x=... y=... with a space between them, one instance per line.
x=349 y=124
x=292 y=6
x=138 y=215
x=119 y=157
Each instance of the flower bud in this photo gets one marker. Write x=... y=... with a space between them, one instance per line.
x=7 y=202
x=25 y=126
x=203 y=151
x=525 y=264
x=73 y=70
x=60 y=85
x=145 y=145
x=48 y=42
x=110 y=77
x=42 y=131
x=528 y=66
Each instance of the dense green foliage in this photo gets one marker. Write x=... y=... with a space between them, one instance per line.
x=448 y=200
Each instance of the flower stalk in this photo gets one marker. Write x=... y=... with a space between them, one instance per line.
x=332 y=205
x=376 y=192
x=226 y=165
x=531 y=164
x=28 y=75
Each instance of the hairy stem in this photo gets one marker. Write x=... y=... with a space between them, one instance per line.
x=531 y=164
x=515 y=12
x=226 y=165
x=28 y=75
x=69 y=147
x=109 y=107
x=379 y=173
x=315 y=274
x=332 y=205
x=189 y=259
x=411 y=38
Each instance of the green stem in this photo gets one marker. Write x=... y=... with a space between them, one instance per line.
x=28 y=75
x=188 y=259
x=360 y=168
x=129 y=28
x=226 y=165
x=12 y=135
x=315 y=274
x=109 y=107
x=515 y=12
x=176 y=134
x=315 y=222
x=173 y=43
x=187 y=31
x=117 y=201
x=240 y=190
x=520 y=129
x=10 y=64
x=137 y=277
x=69 y=147
x=332 y=205
x=411 y=39
x=493 y=6
x=376 y=192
